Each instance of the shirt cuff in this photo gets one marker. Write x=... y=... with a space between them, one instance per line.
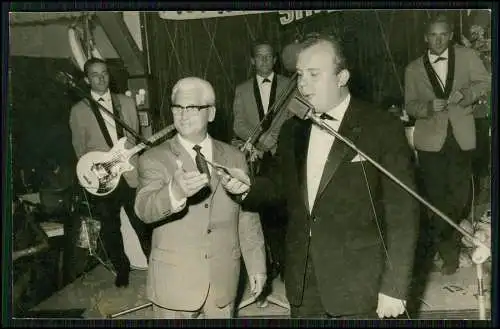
x=177 y=205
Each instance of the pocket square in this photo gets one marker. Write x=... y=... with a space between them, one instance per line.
x=358 y=158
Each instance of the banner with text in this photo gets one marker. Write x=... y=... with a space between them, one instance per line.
x=285 y=16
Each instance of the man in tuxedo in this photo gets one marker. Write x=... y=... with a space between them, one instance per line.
x=200 y=231
x=441 y=88
x=255 y=97
x=351 y=231
x=93 y=129
x=253 y=100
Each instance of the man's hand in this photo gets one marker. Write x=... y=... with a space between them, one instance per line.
x=234 y=185
x=456 y=97
x=186 y=184
x=257 y=282
x=389 y=306
x=438 y=104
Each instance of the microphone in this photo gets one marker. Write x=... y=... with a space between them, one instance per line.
x=305 y=110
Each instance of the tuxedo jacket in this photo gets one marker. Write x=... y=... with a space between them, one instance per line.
x=246 y=111
x=87 y=135
x=354 y=200
x=467 y=74
x=201 y=245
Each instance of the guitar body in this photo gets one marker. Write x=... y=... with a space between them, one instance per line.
x=99 y=172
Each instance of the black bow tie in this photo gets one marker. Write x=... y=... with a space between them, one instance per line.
x=325 y=116
x=100 y=99
x=266 y=80
x=440 y=59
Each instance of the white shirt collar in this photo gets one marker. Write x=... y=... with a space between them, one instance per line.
x=260 y=79
x=338 y=111
x=106 y=96
x=433 y=57
x=206 y=146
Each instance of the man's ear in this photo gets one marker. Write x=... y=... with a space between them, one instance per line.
x=343 y=76
x=87 y=81
x=252 y=60
x=451 y=36
x=211 y=114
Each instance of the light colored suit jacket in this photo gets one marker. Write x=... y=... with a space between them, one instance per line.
x=87 y=135
x=246 y=114
x=470 y=77
x=202 y=244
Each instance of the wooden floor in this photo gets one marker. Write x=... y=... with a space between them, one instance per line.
x=94 y=296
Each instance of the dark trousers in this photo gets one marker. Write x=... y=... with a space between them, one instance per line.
x=446 y=178
x=107 y=211
x=312 y=306
x=481 y=155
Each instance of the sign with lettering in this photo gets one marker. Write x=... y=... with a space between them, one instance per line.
x=289 y=16
x=285 y=16
x=182 y=15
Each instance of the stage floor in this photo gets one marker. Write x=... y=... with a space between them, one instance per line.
x=94 y=296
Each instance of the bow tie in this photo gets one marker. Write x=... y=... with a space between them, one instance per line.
x=266 y=80
x=100 y=99
x=325 y=116
x=440 y=59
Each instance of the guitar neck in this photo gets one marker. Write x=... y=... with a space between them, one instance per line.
x=152 y=139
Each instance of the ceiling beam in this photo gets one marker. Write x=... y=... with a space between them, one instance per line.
x=119 y=35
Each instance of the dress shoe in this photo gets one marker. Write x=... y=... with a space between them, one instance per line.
x=122 y=279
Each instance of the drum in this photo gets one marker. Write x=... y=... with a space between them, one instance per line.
x=131 y=243
x=88 y=233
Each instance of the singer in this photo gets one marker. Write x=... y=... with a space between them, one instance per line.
x=351 y=232
x=200 y=231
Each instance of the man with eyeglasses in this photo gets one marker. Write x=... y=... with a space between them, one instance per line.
x=200 y=232
x=93 y=129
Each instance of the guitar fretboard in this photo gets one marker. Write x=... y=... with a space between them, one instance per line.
x=152 y=139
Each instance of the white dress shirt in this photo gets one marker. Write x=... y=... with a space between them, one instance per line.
x=320 y=143
x=265 y=90
x=440 y=67
x=108 y=119
x=206 y=150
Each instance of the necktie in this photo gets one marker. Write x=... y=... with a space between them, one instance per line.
x=201 y=163
x=266 y=80
x=440 y=59
x=325 y=116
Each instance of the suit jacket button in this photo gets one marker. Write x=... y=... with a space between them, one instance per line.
x=206 y=205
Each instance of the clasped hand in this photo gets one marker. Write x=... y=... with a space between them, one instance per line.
x=234 y=185
x=188 y=183
x=389 y=306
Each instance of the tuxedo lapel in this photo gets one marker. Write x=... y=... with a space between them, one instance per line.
x=433 y=77
x=451 y=72
x=258 y=99
x=182 y=154
x=302 y=134
x=350 y=129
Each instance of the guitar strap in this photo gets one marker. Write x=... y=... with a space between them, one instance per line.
x=102 y=124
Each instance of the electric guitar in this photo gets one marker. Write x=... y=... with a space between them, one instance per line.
x=99 y=172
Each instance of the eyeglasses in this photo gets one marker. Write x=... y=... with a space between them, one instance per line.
x=190 y=109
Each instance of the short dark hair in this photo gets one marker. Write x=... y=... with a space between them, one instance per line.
x=315 y=38
x=261 y=42
x=90 y=62
x=439 y=17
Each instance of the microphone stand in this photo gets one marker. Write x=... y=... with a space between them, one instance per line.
x=302 y=109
